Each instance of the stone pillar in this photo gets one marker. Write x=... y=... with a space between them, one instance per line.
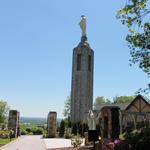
x=82 y=81
x=102 y=126
x=13 y=122
x=120 y=120
x=148 y=115
x=52 y=124
x=109 y=124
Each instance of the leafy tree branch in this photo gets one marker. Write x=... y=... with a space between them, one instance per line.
x=136 y=16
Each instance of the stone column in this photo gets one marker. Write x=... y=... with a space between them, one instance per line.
x=109 y=124
x=149 y=118
x=52 y=124
x=120 y=120
x=13 y=122
x=102 y=126
x=82 y=81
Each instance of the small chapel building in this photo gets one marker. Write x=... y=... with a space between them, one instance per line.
x=114 y=119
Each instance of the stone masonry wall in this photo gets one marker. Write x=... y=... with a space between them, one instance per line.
x=52 y=124
x=82 y=81
x=13 y=122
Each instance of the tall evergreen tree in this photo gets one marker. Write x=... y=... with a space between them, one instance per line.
x=62 y=128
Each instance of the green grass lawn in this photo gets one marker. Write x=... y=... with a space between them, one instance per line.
x=5 y=141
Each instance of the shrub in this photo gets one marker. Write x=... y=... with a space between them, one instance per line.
x=141 y=139
x=28 y=130
x=4 y=133
x=135 y=140
x=76 y=141
x=24 y=132
x=32 y=130
x=67 y=133
x=45 y=135
x=37 y=131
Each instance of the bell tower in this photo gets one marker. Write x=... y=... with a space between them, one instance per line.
x=82 y=77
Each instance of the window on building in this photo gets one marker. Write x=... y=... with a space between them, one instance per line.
x=89 y=65
x=78 y=62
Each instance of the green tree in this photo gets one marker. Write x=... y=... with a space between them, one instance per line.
x=135 y=15
x=67 y=107
x=123 y=99
x=4 y=108
x=101 y=100
x=62 y=128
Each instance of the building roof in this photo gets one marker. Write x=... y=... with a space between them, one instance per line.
x=136 y=99
x=122 y=106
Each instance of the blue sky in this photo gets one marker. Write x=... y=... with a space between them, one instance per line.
x=36 y=42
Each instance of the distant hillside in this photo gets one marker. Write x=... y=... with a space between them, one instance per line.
x=31 y=120
x=36 y=121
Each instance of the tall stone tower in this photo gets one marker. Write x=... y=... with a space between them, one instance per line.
x=82 y=77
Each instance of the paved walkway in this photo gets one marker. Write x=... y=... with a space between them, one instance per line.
x=26 y=143
x=57 y=143
x=35 y=142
